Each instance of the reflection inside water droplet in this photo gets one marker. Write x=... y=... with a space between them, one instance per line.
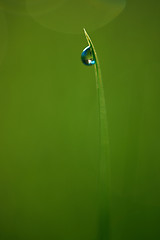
x=87 y=56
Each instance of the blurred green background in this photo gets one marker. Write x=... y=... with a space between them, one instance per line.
x=49 y=121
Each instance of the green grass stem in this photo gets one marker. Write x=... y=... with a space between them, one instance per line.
x=104 y=162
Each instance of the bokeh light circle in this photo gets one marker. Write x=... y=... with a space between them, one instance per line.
x=70 y=16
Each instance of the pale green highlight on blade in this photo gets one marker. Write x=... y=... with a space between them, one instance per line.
x=104 y=161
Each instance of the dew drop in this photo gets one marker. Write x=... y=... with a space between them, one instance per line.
x=87 y=56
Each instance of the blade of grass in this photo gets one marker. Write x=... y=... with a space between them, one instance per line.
x=104 y=163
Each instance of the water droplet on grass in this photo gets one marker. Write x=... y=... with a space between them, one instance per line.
x=87 y=56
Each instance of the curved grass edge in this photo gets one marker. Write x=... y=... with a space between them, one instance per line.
x=104 y=163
